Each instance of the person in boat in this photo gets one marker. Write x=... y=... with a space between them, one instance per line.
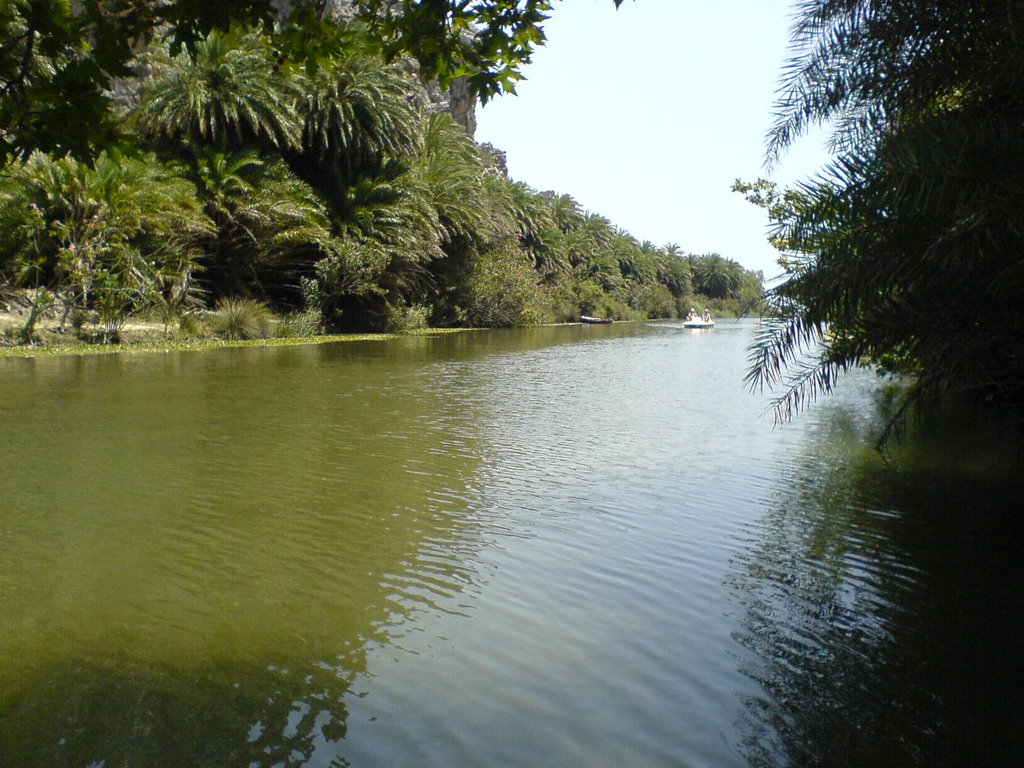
x=692 y=315
x=706 y=317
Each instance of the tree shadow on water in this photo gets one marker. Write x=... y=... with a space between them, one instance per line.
x=882 y=610
x=123 y=713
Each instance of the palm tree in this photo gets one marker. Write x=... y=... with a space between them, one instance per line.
x=270 y=225
x=906 y=251
x=358 y=113
x=566 y=212
x=107 y=236
x=516 y=212
x=452 y=172
x=229 y=94
x=597 y=229
x=716 y=277
x=389 y=233
x=635 y=259
x=604 y=269
x=672 y=250
x=674 y=273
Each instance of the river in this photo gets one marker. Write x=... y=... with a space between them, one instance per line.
x=568 y=546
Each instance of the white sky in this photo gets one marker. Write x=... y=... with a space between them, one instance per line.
x=646 y=115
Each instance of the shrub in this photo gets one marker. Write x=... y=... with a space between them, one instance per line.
x=651 y=300
x=560 y=305
x=299 y=325
x=401 y=318
x=502 y=289
x=79 y=317
x=240 y=319
x=191 y=326
x=594 y=301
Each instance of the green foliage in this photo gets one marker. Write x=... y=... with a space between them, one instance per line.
x=358 y=113
x=905 y=251
x=347 y=284
x=452 y=174
x=58 y=58
x=269 y=222
x=502 y=290
x=486 y=41
x=394 y=217
x=323 y=188
x=751 y=293
x=299 y=325
x=715 y=276
x=228 y=94
x=519 y=212
x=401 y=319
x=651 y=300
x=240 y=319
x=191 y=325
x=109 y=236
x=41 y=300
x=674 y=272
x=595 y=302
x=561 y=304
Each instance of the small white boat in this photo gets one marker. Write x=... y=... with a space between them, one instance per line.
x=699 y=324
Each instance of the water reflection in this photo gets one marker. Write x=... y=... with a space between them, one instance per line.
x=490 y=549
x=882 y=604
x=194 y=571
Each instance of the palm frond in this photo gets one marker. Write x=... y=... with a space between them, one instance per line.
x=360 y=112
x=230 y=93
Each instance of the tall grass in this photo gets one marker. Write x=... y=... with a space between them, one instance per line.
x=241 y=319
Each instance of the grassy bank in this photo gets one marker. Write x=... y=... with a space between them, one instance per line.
x=150 y=337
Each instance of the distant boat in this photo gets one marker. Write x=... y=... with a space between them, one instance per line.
x=595 y=320
x=699 y=324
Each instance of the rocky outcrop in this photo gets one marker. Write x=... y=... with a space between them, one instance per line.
x=496 y=159
x=462 y=105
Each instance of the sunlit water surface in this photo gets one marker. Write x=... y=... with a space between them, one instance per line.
x=575 y=546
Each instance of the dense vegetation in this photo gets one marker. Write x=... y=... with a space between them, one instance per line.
x=906 y=252
x=337 y=193
x=58 y=57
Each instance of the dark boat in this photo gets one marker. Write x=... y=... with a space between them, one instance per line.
x=595 y=320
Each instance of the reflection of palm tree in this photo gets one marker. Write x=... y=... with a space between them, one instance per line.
x=866 y=627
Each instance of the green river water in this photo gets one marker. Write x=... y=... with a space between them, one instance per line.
x=570 y=546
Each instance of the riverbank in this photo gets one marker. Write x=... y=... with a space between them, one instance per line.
x=143 y=336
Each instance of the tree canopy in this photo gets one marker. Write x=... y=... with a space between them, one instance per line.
x=59 y=59
x=906 y=251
